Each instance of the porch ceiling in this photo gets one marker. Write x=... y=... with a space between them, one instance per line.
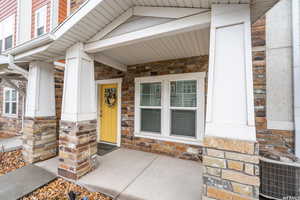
x=193 y=43
x=94 y=15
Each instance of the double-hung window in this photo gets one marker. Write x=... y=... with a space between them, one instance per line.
x=40 y=21
x=10 y=101
x=6 y=33
x=170 y=107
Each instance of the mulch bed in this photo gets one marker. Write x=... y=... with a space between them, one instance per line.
x=55 y=190
x=59 y=189
x=10 y=161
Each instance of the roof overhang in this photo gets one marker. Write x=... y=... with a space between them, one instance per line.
x=31 y=44
x=3 y=60
x=94 y=16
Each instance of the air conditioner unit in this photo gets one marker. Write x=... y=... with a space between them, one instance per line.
x=279 y=180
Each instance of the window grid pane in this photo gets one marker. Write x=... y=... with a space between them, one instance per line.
x=183 y=93
x=40 y=31
x=7 y=108
x=1 y=46
x=38 y=19
x=151 y=120
x=7 y=95
x=8 y=42
x=14 y=108
x=13 y=95
x=150 y=94
x=183 y=123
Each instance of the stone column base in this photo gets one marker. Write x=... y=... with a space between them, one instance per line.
x=39 y=139
x=230 y=169
x=77 y=145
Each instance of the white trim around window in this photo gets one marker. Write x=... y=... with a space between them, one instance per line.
x=165 y=107
x=42 y=22
x=10 y=101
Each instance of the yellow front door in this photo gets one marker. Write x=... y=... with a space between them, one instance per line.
x=108 y=112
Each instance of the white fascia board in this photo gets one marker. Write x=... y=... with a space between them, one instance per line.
x=170 y=28
x=31 y=52
x=110 y=62
x=110 y=27
x=37 y=42
x=75 y=18
x=166 y=12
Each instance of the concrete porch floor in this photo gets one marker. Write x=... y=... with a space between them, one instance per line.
x=134 y=175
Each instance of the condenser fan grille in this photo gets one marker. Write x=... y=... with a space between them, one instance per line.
x=279 y=180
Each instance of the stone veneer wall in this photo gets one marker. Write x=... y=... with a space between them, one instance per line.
x=230 y=169
x=272 y=143
x=59 y=86
x=186 y=65
x=39 y=139
x=77 y=145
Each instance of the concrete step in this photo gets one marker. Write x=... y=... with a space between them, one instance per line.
x=23 y=181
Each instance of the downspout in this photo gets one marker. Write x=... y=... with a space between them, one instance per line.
x=296 y=71
x=16 y=68
x=23 y=113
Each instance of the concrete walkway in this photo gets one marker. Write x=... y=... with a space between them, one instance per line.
x=133 y=175
x=11 y=144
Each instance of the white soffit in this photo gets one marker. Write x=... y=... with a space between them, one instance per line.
x=188 y=44
x=260 y=7
x=94 y=15
x=186 y=24
x=165 y=12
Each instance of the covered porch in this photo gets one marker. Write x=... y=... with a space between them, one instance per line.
x=130 y=174
x=169 y=78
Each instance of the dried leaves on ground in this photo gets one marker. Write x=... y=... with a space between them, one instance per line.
x=10 y=161
x=59 y=189
x=55 y=190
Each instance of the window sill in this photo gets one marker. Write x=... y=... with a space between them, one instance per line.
x=10 y=116
x=191 y=141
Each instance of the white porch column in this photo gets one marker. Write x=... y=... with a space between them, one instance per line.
x=40 y=90
x=79 y=86
x=230 y=108
x=230 y=149
x=78 y=122
x=40 y=137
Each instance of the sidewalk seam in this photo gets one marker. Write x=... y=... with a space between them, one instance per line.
x=135 y=178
